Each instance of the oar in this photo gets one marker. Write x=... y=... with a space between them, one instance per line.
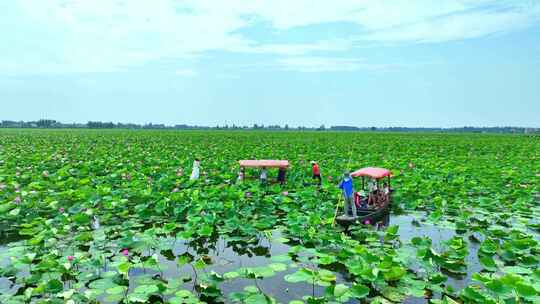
x=337 y=209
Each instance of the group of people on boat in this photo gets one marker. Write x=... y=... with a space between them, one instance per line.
x=281 y=175
x=370 y=198
x=373 y=198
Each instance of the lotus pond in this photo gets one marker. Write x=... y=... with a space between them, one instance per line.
x=111 y=217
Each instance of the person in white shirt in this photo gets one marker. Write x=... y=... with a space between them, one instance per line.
x=386 y=189
x=372 y=189
x=372 y=185
x=196 y=170
x=264 y=176
x=385 y=192
x=241 y=175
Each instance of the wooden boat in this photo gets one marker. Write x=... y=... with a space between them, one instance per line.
x=372 y=215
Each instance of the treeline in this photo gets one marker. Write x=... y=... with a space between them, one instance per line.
x=53 y=124
x=449 y=130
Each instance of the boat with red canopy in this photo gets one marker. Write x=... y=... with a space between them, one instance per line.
x=372 y=203
x=260 y=163
x=372 y=172
x=282 y=165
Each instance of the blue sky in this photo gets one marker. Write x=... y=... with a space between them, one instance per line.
x=349 y=62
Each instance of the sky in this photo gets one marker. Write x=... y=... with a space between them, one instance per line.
x=416 y=63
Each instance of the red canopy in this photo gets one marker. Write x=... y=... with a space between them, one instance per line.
x=268 y=163
x=372 y=172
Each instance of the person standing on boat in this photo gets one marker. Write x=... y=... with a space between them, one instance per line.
x=196 y=170
x=385 y=193
x=346 y=185
x=373 y=192
x=241 y=175
x=281 y=175
x=316 y=172
x=264 y=176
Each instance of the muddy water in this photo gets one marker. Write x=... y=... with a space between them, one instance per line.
x=225 y=257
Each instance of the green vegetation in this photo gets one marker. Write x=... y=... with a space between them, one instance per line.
x=111 y=217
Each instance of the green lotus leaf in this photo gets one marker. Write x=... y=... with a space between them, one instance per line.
x=146 y=289
x=278 y=267
x=231 y=275
x=526 y=291
x=116 y=290
x=54 y=286
x=302 y=275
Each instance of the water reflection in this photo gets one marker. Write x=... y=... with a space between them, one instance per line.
x=229 y=255
x=415 y=224
x=225 y=254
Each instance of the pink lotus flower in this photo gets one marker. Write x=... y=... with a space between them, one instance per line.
x=367 y=222
x=70 y=258
x=61 y=210
x=17 y=200
x=125 y=252
x=248 y=194
x=285 y=193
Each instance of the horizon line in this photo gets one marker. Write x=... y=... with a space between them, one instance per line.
x=252 y=126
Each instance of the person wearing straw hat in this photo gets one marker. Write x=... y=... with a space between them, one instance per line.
x=346 y=185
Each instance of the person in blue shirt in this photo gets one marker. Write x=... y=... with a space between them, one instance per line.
x=346 y=185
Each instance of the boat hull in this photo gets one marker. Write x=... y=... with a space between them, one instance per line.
x=371 y=215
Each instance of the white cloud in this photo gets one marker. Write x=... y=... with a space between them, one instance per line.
x=296 y=48
x=459 y=26
x=103 y=35
x=328 y=64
